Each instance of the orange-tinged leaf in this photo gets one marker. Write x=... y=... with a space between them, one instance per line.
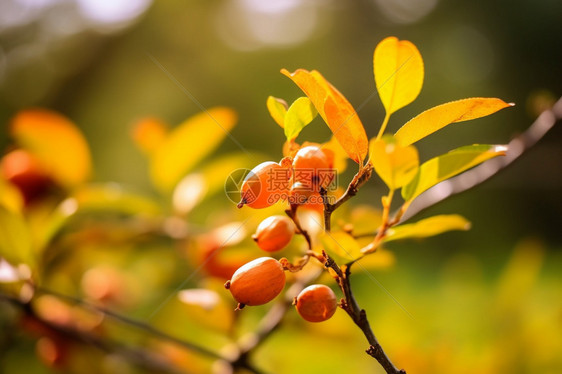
x=149 y=133
x=448 y=165
x=398 y=68
x=336 y=111
x=56 y=142
x=396 y=165
x=188 y=144
x=277 y=109
x=442 y=115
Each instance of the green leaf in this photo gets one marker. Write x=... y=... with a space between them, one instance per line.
x=448 y=165
x=277 y=109
x=396 y=165
x=15 y=239
x=428 y=227
x=341 y=245
x=188 y=144
x=300 y=114
x=442 y=115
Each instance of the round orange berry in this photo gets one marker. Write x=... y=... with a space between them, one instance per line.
x=312 y=167
x=264 y=185
x=274 y=233
x=257 y=282
x=316 y=303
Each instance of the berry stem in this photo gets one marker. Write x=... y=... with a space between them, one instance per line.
x=292 y=214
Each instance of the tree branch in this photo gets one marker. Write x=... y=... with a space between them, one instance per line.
x=139 y=357
x=362 y=176
x=132 y=322
x=359 y=316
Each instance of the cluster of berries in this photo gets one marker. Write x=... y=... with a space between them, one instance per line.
x=298 y=179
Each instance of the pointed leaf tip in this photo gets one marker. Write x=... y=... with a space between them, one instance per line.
x=277 y=109
x=442 y=115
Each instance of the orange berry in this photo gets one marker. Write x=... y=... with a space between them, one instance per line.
x=257 y=282
x=274 y=233
x=317 y=303
x=264 y=185
x=312 y=167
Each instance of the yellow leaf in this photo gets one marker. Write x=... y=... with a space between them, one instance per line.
x=342 y=245
x=381 y=259
x=188 y=144
x=448 y=165
x=300 y=113
x=149 y=134
x=208 y=180
x=336 y=111
x=10 y=197
x=428 y=227
x=56 y=142
x=365 y=219
x=442 y=115
x=396 y=165
x=15 y=239
x=277 y=109
x=398 y=68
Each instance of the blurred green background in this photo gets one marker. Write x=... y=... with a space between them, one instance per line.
x=490 y=293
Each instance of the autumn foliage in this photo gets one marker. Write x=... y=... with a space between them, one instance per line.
x=49 y=208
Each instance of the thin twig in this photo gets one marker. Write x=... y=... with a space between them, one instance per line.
x=139 y=357
x=359 y=316
x=358 y=180
x=292 y=213
x=132 y=322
